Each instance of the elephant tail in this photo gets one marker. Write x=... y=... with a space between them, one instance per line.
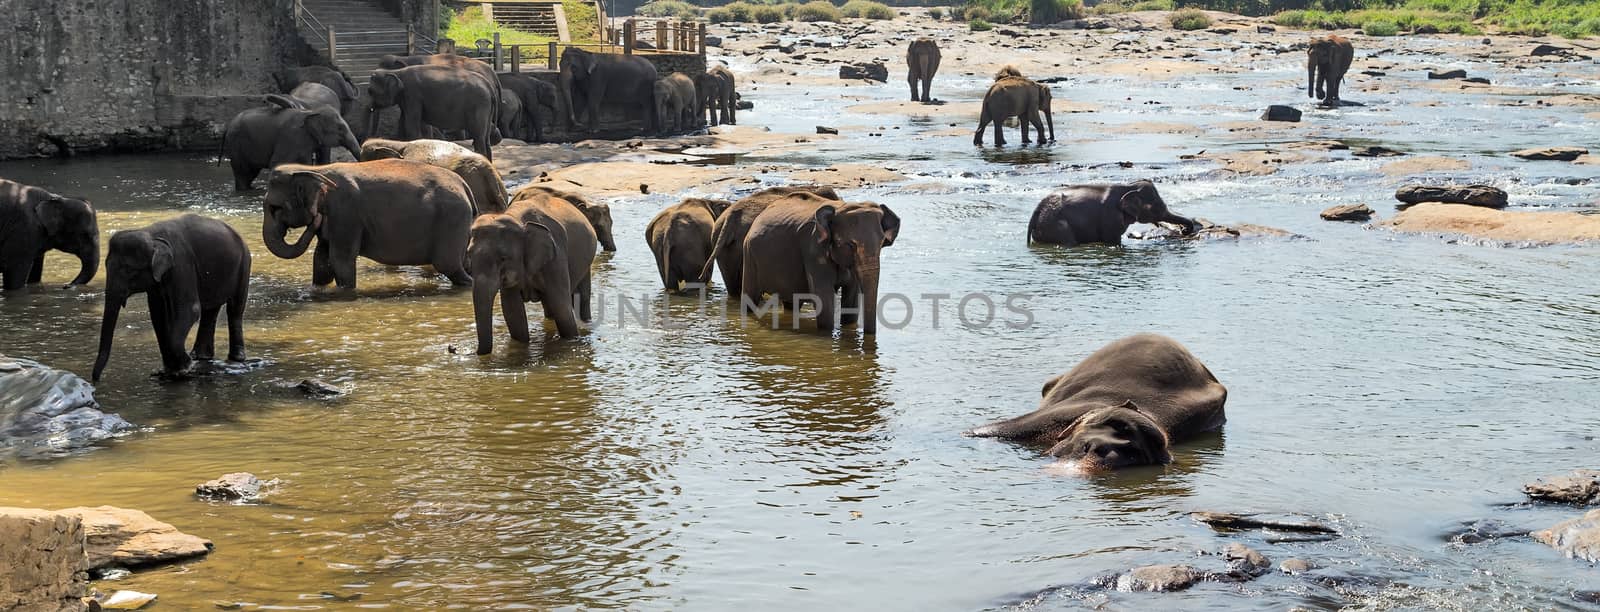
x=222 y=147
x=718 y=235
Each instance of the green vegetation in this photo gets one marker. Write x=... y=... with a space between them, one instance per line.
x=1111 y=8
x=668 y=8
x=768 y=14
x=867 y=9
x=1378 y=19
x=1189 y=19
x=470 y=25
x=583 y=23
x=936 y=12
x=1054 y=11
x=1569 y=18
x=1380 y=28
x=979 y=25
x=816 y=10
x=1012 y=11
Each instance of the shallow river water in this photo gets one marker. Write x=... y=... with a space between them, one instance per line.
x=1392 y=385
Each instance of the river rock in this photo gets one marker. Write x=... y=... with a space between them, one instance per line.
x=1296 y=566
x=1482 y=530
x=1476 y=195
x=316 y=387
x=1244 y=559
x=130 y=538
x=126 y=600
x=1580 y=487
x=1279 y=112
x=1213 y=231
x=1543 y=50
x=1576 y=538
x=1522 y=226
x=42 y=553
x=1348 y=212
x=1551 y=153
x=1158 y=578
x=713 y=41
x=238 y=485
x=1448 y=74
x=823 y=129
x=1229 y=521
x=1376 y=151
x=871 y=71
x=45 y=412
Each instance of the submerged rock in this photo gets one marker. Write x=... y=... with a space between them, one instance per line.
x=1476 y=195
x=1483 y=530
x=1213 y=231
x=1580 y=487
x=1158 y=578
x=1244 y=559
x=1348 y=212
x=126 y=600
x=1448 y=74
x=45 y=412
x=1232 y=521
x=1296 y=566
x=1576 y=538
x=1376 y=151
x=235 y=486
x=316 y=387
x=1551 y=153
x=130 y=538
x=1527 y=227
x=1279 y=112
x=42 y=556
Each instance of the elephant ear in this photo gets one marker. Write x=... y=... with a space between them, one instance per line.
x=283 y=101
x=1134 y=206
x=311 y=186
x=539 y=250
x=50 y=215
x=161 y=260
x=891 y=225
x=824 y=219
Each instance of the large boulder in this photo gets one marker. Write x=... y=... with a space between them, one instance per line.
x=42 y=561
x=1580 y=487
x=130 y=538
x=46 y=412
x=1579 y=537
x=871 y=71
x=1476 y=195
x=1159 y=578
x=1348 y=212
x=1448 y=74
x=1528 y=227
x=1279 y=112
x=1551 y=153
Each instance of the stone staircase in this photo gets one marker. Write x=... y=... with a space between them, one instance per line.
x=363 y=33
x=543 y=18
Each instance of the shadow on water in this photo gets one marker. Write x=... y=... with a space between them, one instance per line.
x=1018 y=155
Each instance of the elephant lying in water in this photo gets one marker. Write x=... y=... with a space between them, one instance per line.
x=1083 y=214
x=483 y=181
x=1124 y=405
x=540 y=249
x=680 y=239
x=33 y=221
x=189 y=268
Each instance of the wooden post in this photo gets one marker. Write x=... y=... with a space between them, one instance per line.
x=411 y=39
x=497 y=52
x=628 y=32
x=516 y=59
x=661 y=36
x=702 y=43
x=333 y=47
x=552 y=58
x=298 y=10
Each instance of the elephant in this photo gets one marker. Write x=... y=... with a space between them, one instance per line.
x=392 y=211
x=680 y=239
x=32 y=221
x=188 y=268
x=922 y=62
x=1124 y=405
x=808 y=244
x=1083 y=214
x=675 y=102
x=534 y=93
x=483 y=181
x=264 y=137
x=714 y=91
x=1327 y=59
x=444 y=96
x=589 y=79
x=598 y=213
x=727 y=236
x=1045 y=99
x=316 y=95
x=540 y=249
x=1011 y=95
x=333 y=78
x=512 y=121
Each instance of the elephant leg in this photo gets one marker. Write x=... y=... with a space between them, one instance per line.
x=850 y=304
x=927 y=89
x=584 y=293
x=236 y=322
x=184 y=320
x=36 y=274
x=343 y=261
x=1038 y=128
x=730 y=105
x=515 y=310
x=999 y=131
x=822 y=285
x=16 y=275
x=451 y=262
x=244 y=173
x=161 y=323
x=321 y=269
x=912 y=79
x=205 y=346
x=983 y=123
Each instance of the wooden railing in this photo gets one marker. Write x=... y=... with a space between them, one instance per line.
x=680 y=38
x=329 y=37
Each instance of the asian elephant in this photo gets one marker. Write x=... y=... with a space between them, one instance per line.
x=1124 y=405
x=675 y=102
x=315 y=95
x=1083 y=214
x=512 y=123
x=1011 y=95
x=539 y=102
x=922 y=62
x=1045 y=100
x=284 y=133
x=334 y=79
x=540 y=249
x=598 y=213
x=727 y=236
x=1327 y=59
x=32 y=221
x=590 y=79
x=392 y=211
x=808 y=244
x=439 y=95
x=680 y=239
x=483 y=181
x=714 y=92
x=188 y=268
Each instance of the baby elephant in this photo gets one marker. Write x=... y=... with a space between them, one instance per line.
x=1083 y=214
x=188 y=268
x=483 y=181
x=680 y=238
x=33 y=221
x=1125 y=405
x=922 y=62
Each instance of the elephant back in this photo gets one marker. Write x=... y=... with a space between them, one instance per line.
x=570 y=227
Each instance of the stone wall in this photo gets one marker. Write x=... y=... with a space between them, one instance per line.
x=135 y=75
x=45 y=567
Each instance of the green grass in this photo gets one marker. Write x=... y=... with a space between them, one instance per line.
x=1400 y=19
x=1380 y=28
x=1560 y=17
x=583 y=23
x=1054 y=11
x=668 y=8
x=867 y=9
x=816 y=10
x=1189 y=19
x=767 y=14
x=470 y=25
x=1112 y=8
x=979 y=25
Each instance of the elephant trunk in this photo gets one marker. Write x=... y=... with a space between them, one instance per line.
x=273 y=233
x=115 y=298
x=351 y=143
x=869 y=297
x=89 y=259
x=484 y=288
x=1311 y=79
x=607 y=242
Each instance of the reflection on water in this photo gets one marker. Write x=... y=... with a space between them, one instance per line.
x=1381 y=381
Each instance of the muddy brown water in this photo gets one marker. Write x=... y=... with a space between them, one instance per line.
x=1390 y=385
